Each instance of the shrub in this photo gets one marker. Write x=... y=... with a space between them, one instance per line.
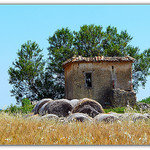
x=146 y=100
x=13 y=109
x=25 y=108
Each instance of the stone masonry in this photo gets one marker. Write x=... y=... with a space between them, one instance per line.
x=107 y=80
x=123 y=98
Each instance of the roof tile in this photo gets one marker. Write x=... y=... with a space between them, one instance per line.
x=98 y=59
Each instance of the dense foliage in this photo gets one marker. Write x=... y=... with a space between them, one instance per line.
x=32 y=78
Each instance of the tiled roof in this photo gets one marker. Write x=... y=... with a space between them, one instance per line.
x=98 y=59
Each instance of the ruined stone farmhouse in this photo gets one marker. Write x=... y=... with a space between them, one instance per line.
x=105 y=79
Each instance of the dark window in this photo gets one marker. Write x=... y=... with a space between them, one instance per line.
x=88 y=79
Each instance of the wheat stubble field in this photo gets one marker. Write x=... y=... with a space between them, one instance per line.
x=15 y=130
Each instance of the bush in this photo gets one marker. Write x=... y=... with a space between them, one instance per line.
x=146 y=100
x=13 y=109
x=25 y=108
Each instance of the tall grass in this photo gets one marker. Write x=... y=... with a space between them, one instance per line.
x=16 y=130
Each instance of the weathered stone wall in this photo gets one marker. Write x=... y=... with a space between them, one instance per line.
x=122 y=98
x=123 y=75
x=69 y=82
x=103 y=76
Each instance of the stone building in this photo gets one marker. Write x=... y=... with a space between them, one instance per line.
x=105 y=79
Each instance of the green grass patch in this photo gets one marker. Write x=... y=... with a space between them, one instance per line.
x=117 y=110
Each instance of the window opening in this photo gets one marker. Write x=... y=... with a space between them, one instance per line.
x=88 y=79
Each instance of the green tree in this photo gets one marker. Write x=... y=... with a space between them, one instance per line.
x=115 y=44
x=88 y=41
x=26 y=71
x=60 y=49
x=141 y=67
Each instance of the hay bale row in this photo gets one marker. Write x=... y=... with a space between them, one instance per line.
x=80 y=110
x=81 y=117
x=107 y=118
x=64 y=107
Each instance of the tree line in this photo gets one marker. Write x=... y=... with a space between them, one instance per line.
x=33 y=77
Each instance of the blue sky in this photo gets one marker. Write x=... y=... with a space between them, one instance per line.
x=19 y=23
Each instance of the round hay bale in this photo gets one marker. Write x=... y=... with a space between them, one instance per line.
x=125 y=117
x=60 y=108
x=42 y=109
x=87 y=109
x=107 y=118
x=79 y=117
x=138 y=116
x=87 y=101
x=120 y=116
x=133 y=117
x=40 y=104
x=74 y=102
x=50 y=117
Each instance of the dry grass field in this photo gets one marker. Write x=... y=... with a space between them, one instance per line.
x=15 y=130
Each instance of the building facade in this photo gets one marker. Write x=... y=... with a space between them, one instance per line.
x=105 y=79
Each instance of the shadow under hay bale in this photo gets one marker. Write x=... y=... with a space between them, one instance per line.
x=107 y=118
x=79 y=117
x=85 y=105
x=61 y=108
x=39 y=105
